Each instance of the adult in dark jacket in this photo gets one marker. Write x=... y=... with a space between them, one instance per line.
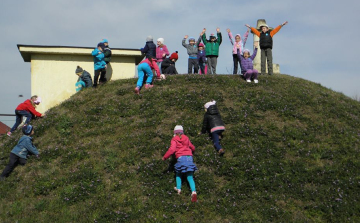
x=150 y=48
x=213 y=125
x=168 y=64
x=107 y=51
x=84 y=76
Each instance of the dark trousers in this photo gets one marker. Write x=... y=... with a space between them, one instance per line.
x=193 y=63
x=170 y=70
x=14 y=162
x=266 y=54
x=19 y=114
x=101 y=73
x=215 y=136
x=211 y=62
x=202 y=67
x=236 y=63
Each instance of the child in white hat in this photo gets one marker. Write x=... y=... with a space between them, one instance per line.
x=183 y=150
x=213 y=125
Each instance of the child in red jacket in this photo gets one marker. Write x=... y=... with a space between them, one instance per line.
x=183 y=149
x=27 y=109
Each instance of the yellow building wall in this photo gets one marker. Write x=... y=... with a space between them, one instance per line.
x=53 y=76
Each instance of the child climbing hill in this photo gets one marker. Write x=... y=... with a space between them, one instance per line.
x=26 y=109
x=21 y=151
x=183 y=150
x=213 y=125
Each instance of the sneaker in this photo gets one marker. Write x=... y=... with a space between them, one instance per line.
x=137 y=90
x=221 y=152
x=249 y=81
x=177 y=190
x=194 y=196
x=9 y=133
x=256 y=81
x=148 y=86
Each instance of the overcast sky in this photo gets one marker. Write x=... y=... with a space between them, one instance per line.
x=320 y=42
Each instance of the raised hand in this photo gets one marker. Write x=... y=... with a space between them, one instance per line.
x=218 y=29
x=204 y=30
x=228 y=30
x=256 y=44
x=284 y=23
x=186 y=36
x=247 y=26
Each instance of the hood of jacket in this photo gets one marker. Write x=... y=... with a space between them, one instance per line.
x=183 y=141
x=213 y=110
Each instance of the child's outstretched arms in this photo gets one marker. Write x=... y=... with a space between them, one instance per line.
x=203 y=35
x=255 y=31
x=230 y=36
x=183 y=41
x=274 y=31
x=256 y=45
x=170 y=151
x=219 y=35
x=245 y=37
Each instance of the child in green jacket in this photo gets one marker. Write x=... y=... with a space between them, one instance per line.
x=212 y=49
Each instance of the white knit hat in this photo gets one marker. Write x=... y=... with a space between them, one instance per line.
x=178 y=129
x=161 y=40
x=208 y=104
x=38 y=100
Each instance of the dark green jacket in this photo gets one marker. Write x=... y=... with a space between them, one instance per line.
x=212 y=48
x=107 y=54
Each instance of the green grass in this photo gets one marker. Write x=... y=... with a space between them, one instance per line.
x=292 y=155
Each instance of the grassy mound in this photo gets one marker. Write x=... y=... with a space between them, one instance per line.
x=292 y=155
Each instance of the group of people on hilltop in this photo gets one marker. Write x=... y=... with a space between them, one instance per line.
x=157 y=59
x=203 y=56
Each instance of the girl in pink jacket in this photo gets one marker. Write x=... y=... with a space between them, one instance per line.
x=161 y=51
x=237 y=45
x=183 y=149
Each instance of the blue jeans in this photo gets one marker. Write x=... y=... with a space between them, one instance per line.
x=19 y=114
x=143 y=69
x=159 y=65
x=215 y=138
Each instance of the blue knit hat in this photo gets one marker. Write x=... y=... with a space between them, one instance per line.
x=27 y=129
x=104 y=41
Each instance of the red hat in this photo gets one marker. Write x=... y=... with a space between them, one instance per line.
x=174 y=56
x=201 y=45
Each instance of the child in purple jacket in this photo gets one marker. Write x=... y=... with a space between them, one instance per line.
x=247 y=68
x=201 y=57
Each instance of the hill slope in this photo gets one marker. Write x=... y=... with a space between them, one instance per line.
x=292 y=154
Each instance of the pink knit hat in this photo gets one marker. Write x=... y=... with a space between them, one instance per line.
x=178 y=129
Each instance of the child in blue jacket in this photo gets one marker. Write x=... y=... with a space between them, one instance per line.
x=21 y=151
x=99 y=64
